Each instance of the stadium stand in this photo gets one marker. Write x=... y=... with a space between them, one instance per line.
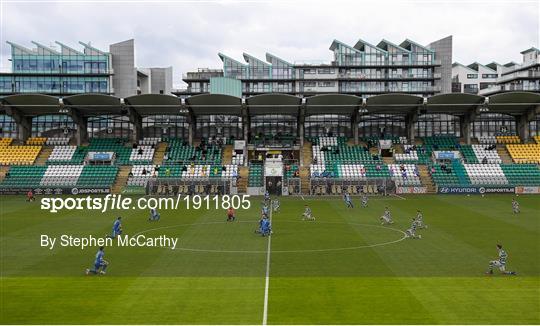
x=405 y=174
x=57 y=141
x=19 y=155
x=5 y=142
x=483 y=151
x=524 y=153
x=510 y=139
x=290 y=171
x=522 y=174
x=90 y=176
x=96 y=176
x=444 y=175
x=410 y=155
x=61 y=175
x=469 y=154
x=352 y=171
x=181 y=152
x=61 y=154
x=149 y=141
x=23 y=176
x=38 y=141
x=238 y=159
x=486 y=174
x=228 y=171
x=255 y=178
x=487 y=140
x=140 y=174
x=141 y=153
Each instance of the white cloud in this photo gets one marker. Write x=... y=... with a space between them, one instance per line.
x=188 y=35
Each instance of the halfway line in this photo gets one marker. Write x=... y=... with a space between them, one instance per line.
x=267 y=278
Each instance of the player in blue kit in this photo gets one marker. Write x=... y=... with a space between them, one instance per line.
x=154 y=215
x=266 y=227
x=100 y=264
x=116 y=229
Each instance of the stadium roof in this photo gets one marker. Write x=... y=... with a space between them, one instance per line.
x=514 y=102
x=31 y=104
x=332 y=103
x=393 y=103
x=214 y=104
x=151 y=104
x=273 y=104
x=94 y=104
x=453 y=103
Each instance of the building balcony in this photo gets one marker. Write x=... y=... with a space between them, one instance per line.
x=203 y=74
x=524 y=74
x=493 y=89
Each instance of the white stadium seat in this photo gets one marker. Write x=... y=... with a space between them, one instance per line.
x=62 y=153
x=492 y=156
x=409 y=177
x=61 y=175
x=486 y=174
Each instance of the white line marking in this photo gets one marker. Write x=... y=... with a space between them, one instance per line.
x=267 y=282
x=400 y=197
x=404 y=236
x=302 y=197
x=267 y=278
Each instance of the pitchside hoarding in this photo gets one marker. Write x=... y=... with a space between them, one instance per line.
x=55 y=191
x=476 y=190
x=527 y=190
x=411 y=190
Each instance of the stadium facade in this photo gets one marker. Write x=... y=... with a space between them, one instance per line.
x=363 y=70
x=61 y=70
x=381 y=116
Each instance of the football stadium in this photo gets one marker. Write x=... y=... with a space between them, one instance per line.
x=386 y=185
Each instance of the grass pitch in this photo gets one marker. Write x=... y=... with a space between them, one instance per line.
x=341 y=269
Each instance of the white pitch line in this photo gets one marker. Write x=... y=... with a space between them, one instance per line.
x=398 y=196
x=267 y=277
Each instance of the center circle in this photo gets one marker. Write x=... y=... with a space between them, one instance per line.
x=215 y=229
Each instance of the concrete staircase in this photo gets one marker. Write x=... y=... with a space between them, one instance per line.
x=307 y=155
x=3 y=170
x=227 y=154
x=121 y=179
x=43 y=155
x=243 y=172
x=389 y=160
x=304 y=180
x=398 y=149
x=503 y=153
x=159 y=153
x=426 y=179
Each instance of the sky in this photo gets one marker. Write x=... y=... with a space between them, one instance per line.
x=189 y=34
